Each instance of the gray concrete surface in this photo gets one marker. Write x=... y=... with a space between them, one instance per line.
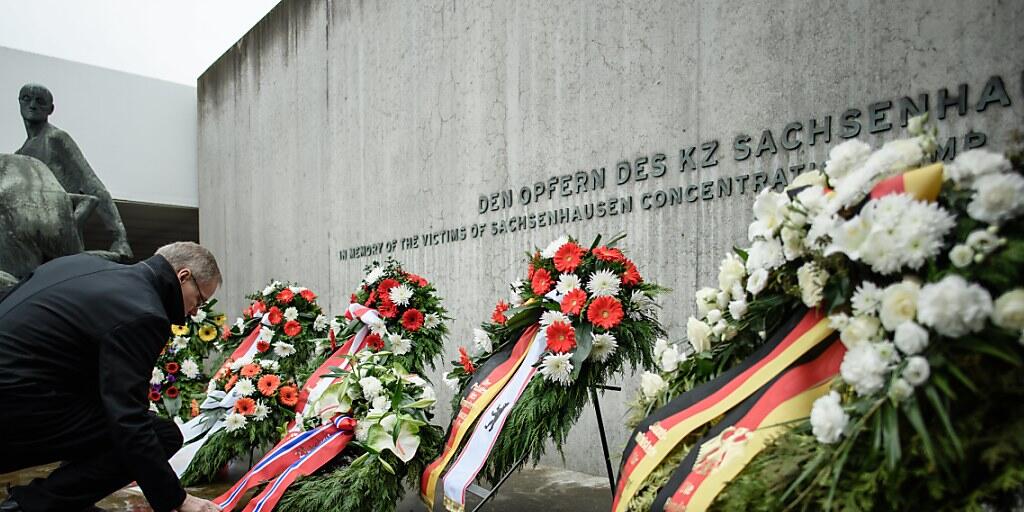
x=335 y=124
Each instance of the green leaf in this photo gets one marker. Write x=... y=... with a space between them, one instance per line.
x=387 y=467
x=985 y=347
x=913 y=413
x=584 y=344
x=940 y=410
x=891 y=426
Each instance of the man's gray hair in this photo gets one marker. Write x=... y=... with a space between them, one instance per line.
x=194 y=257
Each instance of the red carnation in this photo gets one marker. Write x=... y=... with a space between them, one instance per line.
x=262 y=345
x=289 y=396
x=574 y=301
x=172 y=367
x=258 y=308
x=171 y=392
x=308 y=295
x=568 y=257
x=412 y=319
x=386 y=285
x=561 y=337
x=387 y=309
x=498 y=316
x=631 y=277
x=609 y=254
x=292 y=328
x=374 y=342
x=154 y=395
x=605 y=312
x=245 y=406
x=465 y=361
x=285 y=296
x=274 y=316
x=541 y=281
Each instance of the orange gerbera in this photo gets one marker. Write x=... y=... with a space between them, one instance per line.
x=250 y=370
x=285 y=296
x=574 y=301
x=609 y=254
x=561 y=337
x=568 y=257
x=308 y=295
x=541 y=282
x=268 y=384
x=465 y=361
x=605 y=312
x=245 y=406
x=289 y=396
x=631 y=277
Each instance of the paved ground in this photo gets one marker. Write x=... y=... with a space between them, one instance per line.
x=542 y=488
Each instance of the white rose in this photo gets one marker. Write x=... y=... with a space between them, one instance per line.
x=769 y=209
x=719 y=328
x=705 y=299
x=900 y=390
x=864 y=368
x=737 y=309
x=858 y=330
x=714 y=316
x=899 y=304
x=1009 y=310
x=699 y=335
x=730 y=271
x=811 y=279
x=954 y=307
x=997 y=198
x=828 y=419
x=652 y=384
x=670 y=360
x=917 y=370
x=910 y=338
x=961 y=255
x=758 y=280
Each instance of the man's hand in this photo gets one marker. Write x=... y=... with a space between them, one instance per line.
x=193 y=504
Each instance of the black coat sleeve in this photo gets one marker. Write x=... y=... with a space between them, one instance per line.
x=126 y=359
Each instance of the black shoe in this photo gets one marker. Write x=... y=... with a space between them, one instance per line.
x=9 y=505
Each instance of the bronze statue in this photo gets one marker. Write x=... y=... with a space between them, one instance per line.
x=55 y=148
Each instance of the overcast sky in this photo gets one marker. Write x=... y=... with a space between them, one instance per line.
x=174 y=40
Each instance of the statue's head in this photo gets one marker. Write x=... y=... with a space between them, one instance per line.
x=36 y=102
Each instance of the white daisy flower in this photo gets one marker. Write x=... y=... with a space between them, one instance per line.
x=557 y=368
x=189 y=369
x=549 y=317
x=401 y=294
x=283 y=349
x=867 y=299
x=234 y=421
x=291 y=314
x=604 y=346
x=431 y=320
x=179 y=343
x=603 y=282
x=320 y=323
x=374 y=275
x=245 y=387
x=261 y=411
x=269 y=290
x=567 y=283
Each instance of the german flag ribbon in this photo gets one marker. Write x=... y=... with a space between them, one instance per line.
x=923 y=183
x=666 y=427
x=746 y=430
x=488 y=380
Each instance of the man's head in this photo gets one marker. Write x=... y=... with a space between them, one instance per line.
x=36 y=103
x=197 y=272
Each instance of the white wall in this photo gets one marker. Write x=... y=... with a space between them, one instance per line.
x=138 y=133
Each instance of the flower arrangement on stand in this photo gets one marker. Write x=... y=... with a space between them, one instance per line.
x=178 y=384
x=253 y=395
x=580 y=316
x=907 y=280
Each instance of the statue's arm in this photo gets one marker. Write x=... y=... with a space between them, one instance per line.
x=92 y=185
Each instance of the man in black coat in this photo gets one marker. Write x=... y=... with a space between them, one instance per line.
x=78 y=341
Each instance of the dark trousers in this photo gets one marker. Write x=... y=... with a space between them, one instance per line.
x=80 y=438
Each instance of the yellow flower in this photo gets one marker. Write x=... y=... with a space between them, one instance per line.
x=219 y=320
x=179 y=330
x=207 y=332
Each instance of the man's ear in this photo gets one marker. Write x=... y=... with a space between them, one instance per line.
x=183 y=275
x=52 y=107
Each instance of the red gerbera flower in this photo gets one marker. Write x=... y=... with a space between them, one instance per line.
x=268 y=384
x=541 y=282
x=263 y=345
x=413 y=278
x=285 y=296
x=498 y=316
x=245 y=406
x=605 y=312
x=465 y=361
x=387 y=309
x=631 y=277
x=386 y=285
x=250 y=370
x=374 y=342
x=370 y=299
x=231 y=383
x=172 y=367
x=288 y=396
x=171 y=392
x=561 y=337
x=568 y=257
x=292 y=328
x=308 y=295
x=609 y=254
x=274 y=316
x=154 y=395
x=574 y=301
x=412 y=319
x=258 y=307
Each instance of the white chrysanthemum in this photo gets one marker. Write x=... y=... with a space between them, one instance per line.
x=769 y=211
x=549 y=317
x=603 y=283
x=849 y=237
x=179 y=343
x=245 y=387
x=380 y=404
x=954 y=307
x=813 y=199
x=866 y=299
x=482 y=341
x=1008 y=312
x=828 y=419
x=199 y=316
x=261 y=412
x=234 y=421
x=737 y=309
x=894 y=157
x=401 y=294
x=766 y=255
x=823 y=226
x=157 y=377
x=961 y=256
x=864 y=368
x=552 y=248
x=997 y=198
x=269 y=364
x=974 y=163
x=371 y=386
x=699 y=335
x=651 y=384
x=811 y=278
x=910 y=338
x=916 y=371
x=557 y=368
x=378 y=327
x=320 y=323
x=792 y=243
x=335 y=325
x=901 y=232
x=283 y=349
x=900 y=390
x=189 y=369
x=641 y=304
x=374 y=275
x=860 y=329
x=730 y=272
x=291 y=314
x=844 y=158
x=431 y=320
x=705 y=299
x=757 y=281
x=899 y=304
x=268 y=290
x=567 y=283
x=603 y=347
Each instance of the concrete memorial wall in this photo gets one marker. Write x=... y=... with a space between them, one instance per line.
x=454 y=136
